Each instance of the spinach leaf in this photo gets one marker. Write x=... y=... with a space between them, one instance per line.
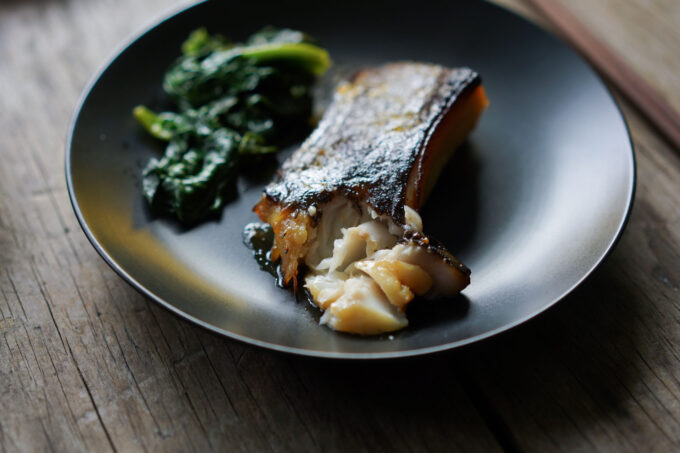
x=233 y=100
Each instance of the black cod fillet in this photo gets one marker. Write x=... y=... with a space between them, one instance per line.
x=344 y=206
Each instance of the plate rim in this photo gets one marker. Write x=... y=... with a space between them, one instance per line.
x=168 y=15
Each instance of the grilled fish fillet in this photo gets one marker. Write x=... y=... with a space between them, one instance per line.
x=345 y=205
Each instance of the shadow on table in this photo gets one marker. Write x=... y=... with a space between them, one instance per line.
x=569 y=368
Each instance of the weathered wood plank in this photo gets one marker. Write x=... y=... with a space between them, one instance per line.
x=87 y=364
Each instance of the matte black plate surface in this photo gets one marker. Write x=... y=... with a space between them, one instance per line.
x=531 y=204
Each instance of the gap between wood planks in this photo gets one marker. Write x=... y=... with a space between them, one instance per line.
x=491 y=416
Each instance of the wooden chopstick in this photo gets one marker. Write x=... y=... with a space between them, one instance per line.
x=659 y=112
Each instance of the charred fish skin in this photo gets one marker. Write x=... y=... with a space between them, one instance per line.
x=436 y=247
x=344 y=205
x=371 y=142
x=380 y=143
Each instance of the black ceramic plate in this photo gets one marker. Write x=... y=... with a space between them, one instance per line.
x=532 y=203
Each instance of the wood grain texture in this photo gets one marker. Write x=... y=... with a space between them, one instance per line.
x=87 y=364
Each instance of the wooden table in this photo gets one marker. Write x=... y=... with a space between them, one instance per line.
x=86 y=363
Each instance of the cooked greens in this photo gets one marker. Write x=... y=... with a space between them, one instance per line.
x=233 y=100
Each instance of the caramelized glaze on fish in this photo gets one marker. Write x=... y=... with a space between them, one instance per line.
x=345 y=203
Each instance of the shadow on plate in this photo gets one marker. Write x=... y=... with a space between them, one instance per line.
x=450 y=213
